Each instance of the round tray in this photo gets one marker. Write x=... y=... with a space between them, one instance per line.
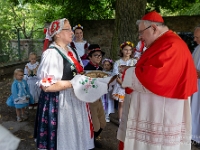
x=96 y=74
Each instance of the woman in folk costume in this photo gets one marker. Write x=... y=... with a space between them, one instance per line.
x=63 y=122
x=157 y=115
x=80 y=44
x=126 y=50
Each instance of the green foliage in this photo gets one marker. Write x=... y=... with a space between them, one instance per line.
x=75 y=10
x=189 y=11
x=101 y=9
x=31 y=15
x=20 y=17
x=192 y=10
x=87 y=10
x=171 y=5
x=28 y=19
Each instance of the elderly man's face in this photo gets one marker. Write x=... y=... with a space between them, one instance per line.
x=146 y=34
x=197 y=35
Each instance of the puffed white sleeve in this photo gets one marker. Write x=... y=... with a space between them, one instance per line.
x=50 y=68
x=116 y=68
x=131 y=81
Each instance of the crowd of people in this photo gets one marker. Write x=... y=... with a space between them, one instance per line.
x=154 y=83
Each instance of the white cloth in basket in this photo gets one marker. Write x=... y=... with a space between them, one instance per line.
x=89 y=89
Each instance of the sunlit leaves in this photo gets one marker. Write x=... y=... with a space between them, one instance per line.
x=171 y=5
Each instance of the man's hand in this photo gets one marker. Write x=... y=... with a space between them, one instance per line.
x=122 y=68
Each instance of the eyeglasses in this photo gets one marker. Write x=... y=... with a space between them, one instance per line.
x=141 y=32
x=68 y=30
x=97 y=56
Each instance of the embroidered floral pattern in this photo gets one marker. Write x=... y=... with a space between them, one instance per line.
x=72 y=67
x=54 y=27
x=88 y=83
x=46 y=123
x=47 y=81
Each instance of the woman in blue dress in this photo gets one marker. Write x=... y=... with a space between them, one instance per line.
x=20 y=95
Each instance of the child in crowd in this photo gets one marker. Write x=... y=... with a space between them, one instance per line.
x=20 y=95
x=30 y=75
x=107 y=100
x=126 y=51
x=97 y=112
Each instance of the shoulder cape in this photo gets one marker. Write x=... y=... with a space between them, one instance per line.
x=167 y=69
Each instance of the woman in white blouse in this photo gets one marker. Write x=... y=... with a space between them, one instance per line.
x=79 y=44
x=63 y=122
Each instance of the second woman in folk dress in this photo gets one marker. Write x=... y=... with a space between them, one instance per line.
x=79 y=44
x=63 y=122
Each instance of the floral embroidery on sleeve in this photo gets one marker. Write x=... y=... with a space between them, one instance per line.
x=47 y=81
x=88 y=83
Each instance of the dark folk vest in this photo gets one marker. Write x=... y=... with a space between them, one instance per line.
x=69 y=69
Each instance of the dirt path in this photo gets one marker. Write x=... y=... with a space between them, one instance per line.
x=24 y=130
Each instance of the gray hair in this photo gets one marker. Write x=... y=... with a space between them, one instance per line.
x=197 y=27
x=148 y=23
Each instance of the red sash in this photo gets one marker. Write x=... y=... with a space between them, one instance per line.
x=79 y=68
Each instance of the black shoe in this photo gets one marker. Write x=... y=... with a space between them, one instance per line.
x=196 y=144
x=96 y=134
x=97 y=144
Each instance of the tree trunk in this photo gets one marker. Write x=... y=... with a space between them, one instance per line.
x=125 y=28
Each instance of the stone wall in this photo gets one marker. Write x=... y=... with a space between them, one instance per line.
x=8 y=68
x=26 y=46
x=101 y=32
x=182 y=23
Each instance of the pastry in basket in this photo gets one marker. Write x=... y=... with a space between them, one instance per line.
x=96 y=74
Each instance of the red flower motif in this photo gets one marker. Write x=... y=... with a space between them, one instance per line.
x=45 y=30
x=44 y=80
x=54 y=27
x=49 y=80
